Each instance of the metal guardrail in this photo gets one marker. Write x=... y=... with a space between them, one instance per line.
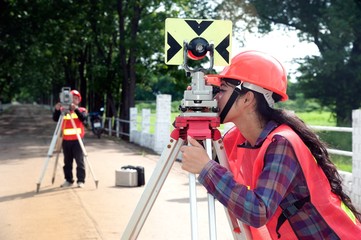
x=335 y=129
x=118 y=132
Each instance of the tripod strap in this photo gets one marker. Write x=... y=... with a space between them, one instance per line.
x=229 y=104
x=289 y=212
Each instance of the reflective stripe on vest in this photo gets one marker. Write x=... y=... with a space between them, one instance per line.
x=71 y=131
x=334 y=212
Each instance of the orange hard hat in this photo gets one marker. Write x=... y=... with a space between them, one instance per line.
x=76 y=93
x=257 y=68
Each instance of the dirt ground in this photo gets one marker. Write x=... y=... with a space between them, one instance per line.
x=85 y=213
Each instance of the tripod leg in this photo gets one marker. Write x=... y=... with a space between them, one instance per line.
x=56 y=137
x=193 y=205
x=152 y=190
x=91 y=171
x=211 y=200
x=193 y=202
x=239 y=230
x=57 y=150
x=55 y=167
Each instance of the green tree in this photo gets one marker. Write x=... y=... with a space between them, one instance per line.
x=334 y=77
x=101 y=48
x=40 y=47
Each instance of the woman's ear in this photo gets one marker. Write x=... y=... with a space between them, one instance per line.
x=248 y=97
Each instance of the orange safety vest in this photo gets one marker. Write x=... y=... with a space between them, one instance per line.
x=247 y=164
x=69 y=132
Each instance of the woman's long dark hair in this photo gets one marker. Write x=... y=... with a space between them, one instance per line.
x=312 y=141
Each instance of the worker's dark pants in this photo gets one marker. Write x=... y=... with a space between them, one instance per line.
x=71 y=150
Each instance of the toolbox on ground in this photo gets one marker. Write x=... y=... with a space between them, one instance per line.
x=130 y=176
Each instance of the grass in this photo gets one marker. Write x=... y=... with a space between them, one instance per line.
x=317 y=118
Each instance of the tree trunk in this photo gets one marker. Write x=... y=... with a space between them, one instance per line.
x=83 y=83
x=128 y=66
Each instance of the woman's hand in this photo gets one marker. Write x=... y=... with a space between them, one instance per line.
x=194 y=157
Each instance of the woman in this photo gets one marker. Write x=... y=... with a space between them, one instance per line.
x=281 y=176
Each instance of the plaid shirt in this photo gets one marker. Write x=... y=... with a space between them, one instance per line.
x=281 y=183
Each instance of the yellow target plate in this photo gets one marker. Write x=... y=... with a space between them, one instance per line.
x=216 y=32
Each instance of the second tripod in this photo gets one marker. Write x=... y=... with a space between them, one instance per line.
x=55 y=147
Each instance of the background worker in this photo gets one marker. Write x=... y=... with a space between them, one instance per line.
x=71 y=146
x=282 y=183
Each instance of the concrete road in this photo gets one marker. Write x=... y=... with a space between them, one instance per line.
x=89 y=212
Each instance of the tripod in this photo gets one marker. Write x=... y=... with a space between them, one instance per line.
x=55 y=147
x=203 y=127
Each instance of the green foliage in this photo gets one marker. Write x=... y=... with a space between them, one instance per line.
x=343 y=163
x=317 y=118
x=337 y=140
x=175 y=106
x=152 y=106
x=168 y=81
x=98 y=47
x=146 y=105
